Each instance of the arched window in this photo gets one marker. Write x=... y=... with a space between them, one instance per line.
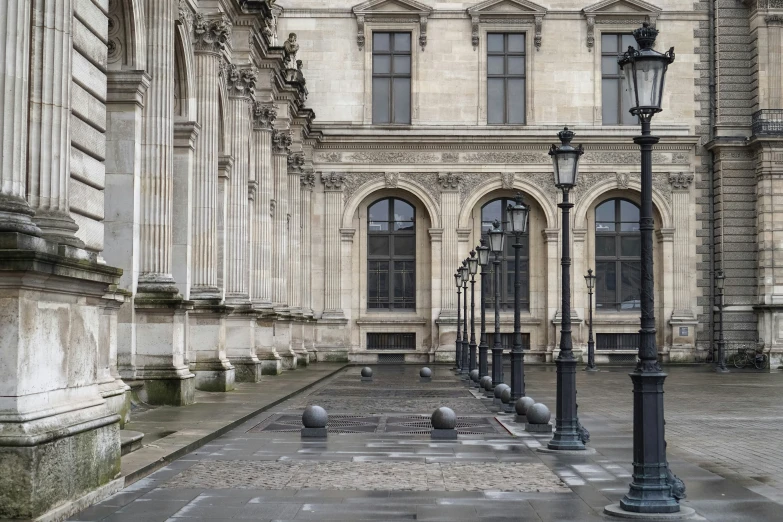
x=617 y=255
x=391 y=255
x=497 y=209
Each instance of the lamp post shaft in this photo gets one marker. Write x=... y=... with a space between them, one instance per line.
x=458 y=349
x=721 y=341
x=652 y=483
x=472 y=346
x=464 y=367
x=497 y=345
x=517 y=354
x=590 y=342
x=567 y=436
x=483 y=365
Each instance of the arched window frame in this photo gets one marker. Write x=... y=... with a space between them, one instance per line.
x=507 y=260
x=394 y=263
x=621 y=269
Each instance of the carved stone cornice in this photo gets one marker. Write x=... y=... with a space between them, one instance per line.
x=211 y=33
x=308 y=181
x=264 y=115
x=773 y=20
x=680 y=180
x=281 y=140
x=296 y=161
x=449 y=181
x=333 y=181
x=241 y=82
x=518 y=12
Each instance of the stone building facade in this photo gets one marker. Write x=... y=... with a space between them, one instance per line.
x=173 y=216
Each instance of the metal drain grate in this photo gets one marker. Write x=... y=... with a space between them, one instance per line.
x=622 y=358
x=336 y=424
x=391 y=358
x=387 y=393
x=421 y=425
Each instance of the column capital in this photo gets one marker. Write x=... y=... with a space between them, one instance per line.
x=773 y=20
x=680 y=180
x=333 y=181
x=296 y=162
x=241 y=82
x=449 y=181
x=211 y=33
x=308 y=181
x=127 y=87
x=281 y=140
x=264 y=115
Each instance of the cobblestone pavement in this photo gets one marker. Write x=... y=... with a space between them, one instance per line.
x=721 y=433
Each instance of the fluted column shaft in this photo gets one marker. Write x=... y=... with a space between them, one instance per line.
x=280 y=143
x=295 y=231
x=15 y=213
x=333 y=199
x=261 y=149
x=157 y=150
x=308 y=183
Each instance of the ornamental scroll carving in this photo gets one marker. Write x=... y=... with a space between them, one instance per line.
x=185 y=15
x=449 y=181
x=296 y=161
x=308 y=181
x=281 y=141
x=211 y=34
x=264 y=115
x=680 y=180
x=241 y=82
x=332 y=181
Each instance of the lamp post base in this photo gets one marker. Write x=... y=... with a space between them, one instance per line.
x=723 y=369
x=615 y=510
x=594 y=369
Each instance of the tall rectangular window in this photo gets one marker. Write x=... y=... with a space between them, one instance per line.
x=391 y=77
x=613 y=101
x=505 y=78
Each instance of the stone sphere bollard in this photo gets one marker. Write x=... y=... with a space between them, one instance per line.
x=498 y=390
x=521 y=407
x=366 y=374
x=488 y=386
x=425 y=375
x=474 y=377
x=538 y=417
x=314 y=420
x=483 y=382
x=505 y=400
x=444 y=423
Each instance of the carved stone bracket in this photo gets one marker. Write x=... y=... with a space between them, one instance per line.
x=241 y=82
x=590 y=32
x=449 y=181
x=474 y=34
x=507 y=179
x=423 y=32
x=539 y=21
x=211 y=33
x=333 y=181
x=680 y=180
x=392 y=179
x=360 y=33
x=618 y=12
x=281 y=140
x=264 y=115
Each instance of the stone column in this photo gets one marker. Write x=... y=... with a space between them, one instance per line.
x=49 y=143
x=225 y=168
x=207 y=321
x=281 y=141
x=240 y=325
x=15 y=212
x=774 y=66
x=261 y=149
x=683 y=319
x=295 y=167
x=160 y=310
x=450 y=209
x=306 y=288
x=551 y=238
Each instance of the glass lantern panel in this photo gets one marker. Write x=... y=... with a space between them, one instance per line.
x=649 y=80
x=566 y=168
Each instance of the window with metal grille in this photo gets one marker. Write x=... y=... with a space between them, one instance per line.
x=614 y=103
x=391 y=341
x=617 y=341
x=506 y=78
x=497 y=210
x=617 y=256
x=391 y=255
x=391 y=77
x=507 y=340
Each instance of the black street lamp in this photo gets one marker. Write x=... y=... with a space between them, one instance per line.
x=654 y=488
x=590 y=280
x=483 y=259
x=472 y=270
x=565 y=159
x=463 y=270
x=720 y=280
x=519 y=214
x=458 y=349
x=496 y=237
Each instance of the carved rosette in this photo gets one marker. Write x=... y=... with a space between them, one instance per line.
x=308 y=181
x=264 y=115
x=281 y=141
x=211 y=34
x=333 y=181
x=241 y=82
x=449 y=181
x=680 y=180
x=296 y=161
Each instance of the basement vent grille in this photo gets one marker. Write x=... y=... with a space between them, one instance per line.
x=617 y=341
x=391 y=358
x=391 y=341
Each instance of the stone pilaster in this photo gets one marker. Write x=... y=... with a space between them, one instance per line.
x=160 y=310
x=683 y=319
x=450 y=208
x=261 y=292
x=49 y=143
x=308 y=184
x=240 y=325
x=295 y=168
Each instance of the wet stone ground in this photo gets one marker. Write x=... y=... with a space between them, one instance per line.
x=379 y=463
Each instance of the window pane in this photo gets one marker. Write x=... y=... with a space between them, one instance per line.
x=605 y=283
x=380 y=42
x=627 y=117
x=495 y=43
x=608 y=43
x=516 y=65
x=631 y=246
x=404 y=245
x=402 y=100
x=378 y=245
x=495 y=64
x=381 y=64
x=609 y=65
x=604 y=226
x=629 y=211
x=609 y=101
x=628 y=39
x=491 y=211
x=631 y=281
x=516 y=101
x=496 y=96
x=605 y=246
x=516 y=43
x=402 y=42
x=605 y=211
x=402 y=211
x=379 y=211
x=402 y=65
x=380 y=100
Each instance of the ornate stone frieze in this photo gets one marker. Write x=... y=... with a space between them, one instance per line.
x=680 y=180
x=264 y=115
x=622 y=21
x=241 y=82
x=281 y=140
x=449 y=157
x=211 y=33
x=296 y=161
x=449 y=181
x=773 y=20
x=392 y=179
x=308 y=181
x=332 y=181
x=391 y=157
x=507 y=179
x=543 y=180
x=506 y=157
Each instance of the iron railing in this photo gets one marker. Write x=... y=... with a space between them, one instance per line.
x=767 y=121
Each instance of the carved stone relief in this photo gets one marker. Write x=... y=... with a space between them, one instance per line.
x=680 y=180
x=392 y=178
x=449 y=181
x=507 y=179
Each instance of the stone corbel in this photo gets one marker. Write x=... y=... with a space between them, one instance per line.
x=590 y=32
x=252 y=189
x=308 y=181
x=474 y=21
x=225 y=166
x=449 y=181
x=360 y=34
x=539 y=20
x=333 y=181
x=680 y=180
x=423 y=31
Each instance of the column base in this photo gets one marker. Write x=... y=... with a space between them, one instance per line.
x=118 y=399
x=289 y=360
x=214 y=377
x=303 y=359
x=173 y=391
x=271 y=366
x=247 y=370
